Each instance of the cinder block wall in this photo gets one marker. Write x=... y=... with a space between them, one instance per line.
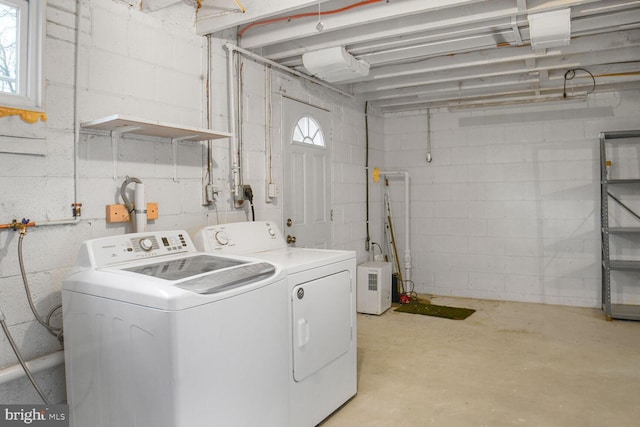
x=509 y=208
x=132 y=64
x=151 y=67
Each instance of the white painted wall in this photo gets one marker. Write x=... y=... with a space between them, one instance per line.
x=152 y=67
x=261 y=134
x=509 y=208
x=130 y=63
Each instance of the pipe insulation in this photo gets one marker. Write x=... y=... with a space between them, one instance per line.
x=15 y=372
x=407 y=241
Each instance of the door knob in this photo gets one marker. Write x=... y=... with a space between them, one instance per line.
x=291 y=239
x=289 y=222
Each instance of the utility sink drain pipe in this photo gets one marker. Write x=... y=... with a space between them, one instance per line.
x=407 y=242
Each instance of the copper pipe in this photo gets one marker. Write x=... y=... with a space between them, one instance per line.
x=15 y=225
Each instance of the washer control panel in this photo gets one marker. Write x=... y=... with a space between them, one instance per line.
x=129 y=247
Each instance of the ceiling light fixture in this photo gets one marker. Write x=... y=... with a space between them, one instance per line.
x=319 y=25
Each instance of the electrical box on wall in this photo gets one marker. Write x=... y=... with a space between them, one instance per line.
x=373 y=287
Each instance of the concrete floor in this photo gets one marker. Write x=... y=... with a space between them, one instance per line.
x=508 y=364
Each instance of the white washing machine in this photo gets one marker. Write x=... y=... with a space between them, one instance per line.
x=322 y=312
x=160 y=335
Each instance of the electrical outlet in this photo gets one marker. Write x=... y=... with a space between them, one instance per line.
x=211 y=193
x=272 y=190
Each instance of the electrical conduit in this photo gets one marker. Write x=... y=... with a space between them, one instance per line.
x=232 y=122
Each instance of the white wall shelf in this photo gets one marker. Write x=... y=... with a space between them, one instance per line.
x=124 y=124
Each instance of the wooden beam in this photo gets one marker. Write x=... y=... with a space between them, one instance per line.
x=375 y=18
x=218 y=15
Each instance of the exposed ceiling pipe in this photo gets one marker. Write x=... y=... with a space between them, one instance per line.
x=231 y=48
x=289 y=18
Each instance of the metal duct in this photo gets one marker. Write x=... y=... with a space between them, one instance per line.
x=335 y=65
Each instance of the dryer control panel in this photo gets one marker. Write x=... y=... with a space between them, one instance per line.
x=240 y=238
x=130 y=247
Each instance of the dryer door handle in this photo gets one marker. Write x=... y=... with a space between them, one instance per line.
x=302 y=332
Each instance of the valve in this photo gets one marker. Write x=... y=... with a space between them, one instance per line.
x=22 y=225
x=76 y=209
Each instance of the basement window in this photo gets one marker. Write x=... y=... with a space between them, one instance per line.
x=308 y=131
x=22 y=26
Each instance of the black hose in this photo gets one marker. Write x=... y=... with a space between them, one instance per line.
x=248 y=193
x=570 y=74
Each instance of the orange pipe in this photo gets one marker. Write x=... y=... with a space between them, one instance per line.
x=16 y=225
x=308 y=14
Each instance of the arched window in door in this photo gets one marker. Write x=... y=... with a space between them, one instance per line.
x=308 y=131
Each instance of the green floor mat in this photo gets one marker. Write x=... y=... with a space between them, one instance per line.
x=456 y=313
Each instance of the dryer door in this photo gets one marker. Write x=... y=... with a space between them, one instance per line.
x=322 y=323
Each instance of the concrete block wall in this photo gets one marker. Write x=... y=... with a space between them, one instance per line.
x=149 y=66
x=509 y=209
x=347 y=140
x=130 y=63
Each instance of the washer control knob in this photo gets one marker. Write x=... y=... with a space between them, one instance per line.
x=146 y=244
x=222 y=238
x=271 y=232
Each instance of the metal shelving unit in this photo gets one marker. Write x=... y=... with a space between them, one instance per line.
x=611 y=304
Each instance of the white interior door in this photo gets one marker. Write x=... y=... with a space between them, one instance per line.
x=306 y=143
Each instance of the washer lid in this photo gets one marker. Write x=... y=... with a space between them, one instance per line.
x=181 y=268
x=214 y=274
x=224 y=280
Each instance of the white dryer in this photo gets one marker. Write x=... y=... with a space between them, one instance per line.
x=322 y=312
x=160 y=335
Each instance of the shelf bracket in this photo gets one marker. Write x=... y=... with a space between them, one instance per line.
x=115 y=139
x=174 y=150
